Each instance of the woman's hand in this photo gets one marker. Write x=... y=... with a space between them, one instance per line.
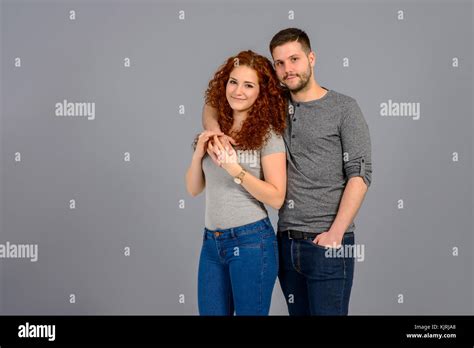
x=201 y=146
x=226 y=159
x=226 y=141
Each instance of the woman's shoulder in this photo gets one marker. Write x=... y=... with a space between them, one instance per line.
x=273 y=133
x=274 y=143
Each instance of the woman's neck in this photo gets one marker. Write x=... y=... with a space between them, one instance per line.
x=239 y=118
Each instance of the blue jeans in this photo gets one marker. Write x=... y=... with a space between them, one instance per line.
x=238 y=268
x=312 y=282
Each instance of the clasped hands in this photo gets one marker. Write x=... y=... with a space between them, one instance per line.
x=219 y=148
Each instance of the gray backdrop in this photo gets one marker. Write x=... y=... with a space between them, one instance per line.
x=421 y=253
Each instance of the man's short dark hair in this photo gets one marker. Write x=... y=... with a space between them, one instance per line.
x=291 y=35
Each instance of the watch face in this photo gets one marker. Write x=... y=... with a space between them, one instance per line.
x=237 y=181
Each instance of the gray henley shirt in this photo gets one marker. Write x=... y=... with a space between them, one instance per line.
x=327 y=142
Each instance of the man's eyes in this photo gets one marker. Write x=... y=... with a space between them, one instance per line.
x=292 y=59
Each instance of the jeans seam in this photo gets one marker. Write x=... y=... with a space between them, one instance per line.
x=344 y=265
x=343 y=288
x=221 y=258
x=277 y=253
x=260 y=300
x=292 y=254
x=229 y=295
x=296 y=259
x=344 y=279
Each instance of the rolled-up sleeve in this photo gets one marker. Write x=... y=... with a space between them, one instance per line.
x=356 y=145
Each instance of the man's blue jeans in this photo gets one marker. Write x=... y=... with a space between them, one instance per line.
x=238 y=268
x=314 y=283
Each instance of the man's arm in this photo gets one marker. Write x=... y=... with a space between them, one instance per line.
x=356 y=147
x=209 y=122
x=351 y=201
x=209 y=119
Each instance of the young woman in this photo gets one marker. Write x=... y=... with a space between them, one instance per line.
x=238 y=264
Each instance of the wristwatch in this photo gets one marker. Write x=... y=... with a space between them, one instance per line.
x=238 y=179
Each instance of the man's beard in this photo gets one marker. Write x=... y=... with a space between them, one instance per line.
x=304 y=81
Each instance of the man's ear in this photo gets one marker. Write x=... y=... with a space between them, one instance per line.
x=312 y=58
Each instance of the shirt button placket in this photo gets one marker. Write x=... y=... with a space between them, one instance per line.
x=294 y=127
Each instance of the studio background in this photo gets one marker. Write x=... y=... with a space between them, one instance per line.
x=125 y=168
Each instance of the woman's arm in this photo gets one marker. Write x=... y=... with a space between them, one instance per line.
x=271 y=190
x=195 y=181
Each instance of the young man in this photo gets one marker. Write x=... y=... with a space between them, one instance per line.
x=329 y=170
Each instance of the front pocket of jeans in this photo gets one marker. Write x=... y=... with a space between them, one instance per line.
x=310 y=241
x=249 y=241
x=318 y=262
x=268 y=233
x=349 y=239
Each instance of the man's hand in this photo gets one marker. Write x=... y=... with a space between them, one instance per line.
x=229 y=162
x=328 y=239
x=226 y=142
x=203 y=139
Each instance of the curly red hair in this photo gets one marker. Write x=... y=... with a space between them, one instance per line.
x=268 y=111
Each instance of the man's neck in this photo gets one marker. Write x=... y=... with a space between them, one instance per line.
x=313 y=92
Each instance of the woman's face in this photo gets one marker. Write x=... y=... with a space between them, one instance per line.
x=242 y=88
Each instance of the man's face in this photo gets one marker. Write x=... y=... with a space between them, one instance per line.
x=293 y=67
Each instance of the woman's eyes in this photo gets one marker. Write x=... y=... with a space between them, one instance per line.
x=233 y=82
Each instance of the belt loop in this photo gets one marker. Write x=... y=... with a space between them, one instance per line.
x=232 y=233
x=205 y=234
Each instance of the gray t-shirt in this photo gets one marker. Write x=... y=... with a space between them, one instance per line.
x=328 y=142
x=229 y=204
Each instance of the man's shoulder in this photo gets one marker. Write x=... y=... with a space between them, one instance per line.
x=341 y=98
x=341 y=103
x=335 y=100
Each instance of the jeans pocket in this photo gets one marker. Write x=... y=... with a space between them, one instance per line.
x=348 y=238
x=322 y=247
x=250 y=240
x=318 y=262
x=268 y=233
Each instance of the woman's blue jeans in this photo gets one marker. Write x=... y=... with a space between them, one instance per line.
x=238 y=268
